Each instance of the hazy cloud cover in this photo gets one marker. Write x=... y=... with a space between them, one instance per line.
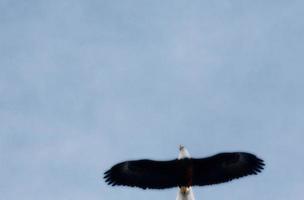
x=86 y=84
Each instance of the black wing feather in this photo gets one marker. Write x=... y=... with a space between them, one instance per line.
x=145 y=174
x=225 y=167
x=152 y=174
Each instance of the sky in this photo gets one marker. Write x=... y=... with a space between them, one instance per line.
x=87 y=84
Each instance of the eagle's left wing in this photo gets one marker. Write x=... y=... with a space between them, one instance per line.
x=224 y=167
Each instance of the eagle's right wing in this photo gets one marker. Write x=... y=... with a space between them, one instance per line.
x=145 y=174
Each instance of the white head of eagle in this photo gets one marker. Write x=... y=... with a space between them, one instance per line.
x=184 y=172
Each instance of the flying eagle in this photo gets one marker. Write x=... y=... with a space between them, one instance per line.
x=184 y=172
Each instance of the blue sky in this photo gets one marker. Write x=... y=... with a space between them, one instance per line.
x=87 y=84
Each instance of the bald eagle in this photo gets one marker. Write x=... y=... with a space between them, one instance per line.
x=184 y=172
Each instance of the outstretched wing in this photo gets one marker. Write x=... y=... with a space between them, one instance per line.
x=145 y=174
x=225 y=167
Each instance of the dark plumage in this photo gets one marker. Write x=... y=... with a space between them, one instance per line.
x=152 y=174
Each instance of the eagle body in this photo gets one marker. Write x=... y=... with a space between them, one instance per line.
x=185 y=192
x=184 y=172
